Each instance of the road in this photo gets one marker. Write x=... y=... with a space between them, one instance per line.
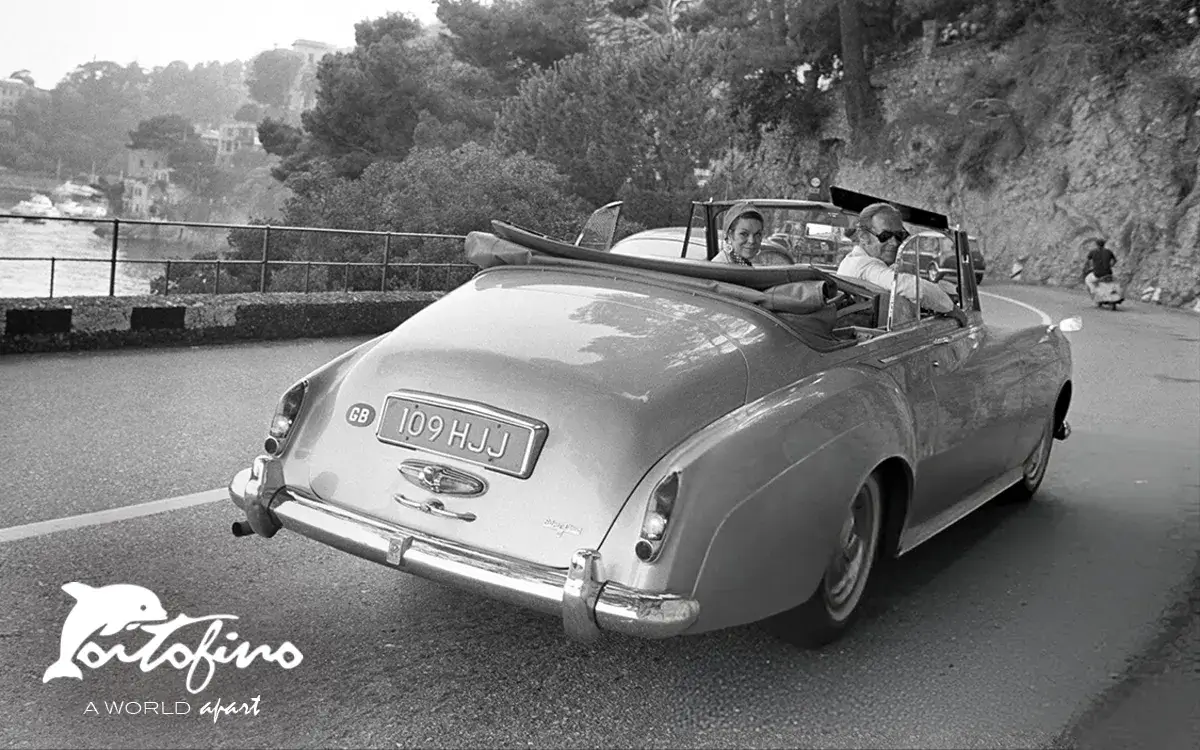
x=1065 y=622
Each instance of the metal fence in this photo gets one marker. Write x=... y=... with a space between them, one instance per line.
x=272 y=274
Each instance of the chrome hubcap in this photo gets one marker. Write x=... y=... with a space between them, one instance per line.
x=847 y=572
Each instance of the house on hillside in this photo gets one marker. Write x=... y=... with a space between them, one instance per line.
x=233 y=137
x=211 y=136
x=143 y=181
x=303 y=93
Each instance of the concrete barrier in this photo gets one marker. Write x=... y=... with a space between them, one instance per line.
x=72 y=323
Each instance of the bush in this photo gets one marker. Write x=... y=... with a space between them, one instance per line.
x=433 y=191
x=1131 y=30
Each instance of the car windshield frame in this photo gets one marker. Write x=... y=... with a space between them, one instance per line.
x=779 y=213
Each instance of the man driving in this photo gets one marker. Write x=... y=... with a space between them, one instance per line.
x=878 y=232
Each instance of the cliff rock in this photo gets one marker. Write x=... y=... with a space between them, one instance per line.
x=1035 y=149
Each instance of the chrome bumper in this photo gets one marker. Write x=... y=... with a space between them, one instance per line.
x=586 y=603
x=1063 y=431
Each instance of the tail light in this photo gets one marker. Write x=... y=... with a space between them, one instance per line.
x=658 y=518
x=285 y=418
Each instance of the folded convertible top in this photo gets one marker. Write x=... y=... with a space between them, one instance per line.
x=522 y=246
x=803 y=290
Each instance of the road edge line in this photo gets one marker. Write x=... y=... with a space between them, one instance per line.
x=1046 y=319
x=110 y=515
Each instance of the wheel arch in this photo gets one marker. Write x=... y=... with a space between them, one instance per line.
x=1062 y=405
x=896 y=480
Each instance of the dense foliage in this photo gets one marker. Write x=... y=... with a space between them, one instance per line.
x=85 y=120
x=616 y=121
x=433 y=191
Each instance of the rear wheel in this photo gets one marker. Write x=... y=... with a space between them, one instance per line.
x=1034 y=468
x=829 y=612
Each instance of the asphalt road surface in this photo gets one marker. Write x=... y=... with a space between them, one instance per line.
x=1068 y=622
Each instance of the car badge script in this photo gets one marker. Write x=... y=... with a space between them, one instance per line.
x=442 y=480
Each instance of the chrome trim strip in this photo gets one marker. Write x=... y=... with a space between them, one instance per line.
x=586 y=603
x=538 y=429
x=939 y=341
x=918 y=535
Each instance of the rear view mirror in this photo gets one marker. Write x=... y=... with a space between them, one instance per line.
x=1071 y=324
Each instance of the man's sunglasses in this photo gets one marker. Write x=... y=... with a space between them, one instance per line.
x=888 y=234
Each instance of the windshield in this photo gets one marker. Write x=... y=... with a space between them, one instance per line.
x=806 y=235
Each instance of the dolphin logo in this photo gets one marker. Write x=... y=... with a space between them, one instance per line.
x=107 y=609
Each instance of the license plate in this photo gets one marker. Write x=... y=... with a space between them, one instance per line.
x=482 y=435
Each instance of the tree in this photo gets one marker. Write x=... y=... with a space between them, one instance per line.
x=271 y=76
x=91 y=113
x=190 y=158
x=162 y=133
x=861 y=111
x=513 y=38
x=22 y=75
x=249 y=112
x=370 y=101
x=636 y=122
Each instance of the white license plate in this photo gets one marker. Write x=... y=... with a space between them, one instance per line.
x=479 y=434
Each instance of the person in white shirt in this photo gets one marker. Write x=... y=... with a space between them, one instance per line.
x=880 y=232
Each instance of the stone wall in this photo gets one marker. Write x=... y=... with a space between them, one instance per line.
x=67 y=323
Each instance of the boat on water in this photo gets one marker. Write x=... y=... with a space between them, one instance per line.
x=36 y=209
x=82 y=209
x=73 y=199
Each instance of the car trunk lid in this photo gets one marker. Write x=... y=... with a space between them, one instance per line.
x=558 y=396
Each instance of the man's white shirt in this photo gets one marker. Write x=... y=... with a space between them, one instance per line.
x=857 y=264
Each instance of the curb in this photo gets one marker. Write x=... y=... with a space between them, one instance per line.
x=29 y=325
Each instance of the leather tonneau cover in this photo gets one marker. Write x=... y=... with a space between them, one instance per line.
x=754 y=278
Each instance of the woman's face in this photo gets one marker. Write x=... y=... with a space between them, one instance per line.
x=745 y=237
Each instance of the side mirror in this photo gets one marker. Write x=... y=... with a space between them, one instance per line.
x=1071 y=324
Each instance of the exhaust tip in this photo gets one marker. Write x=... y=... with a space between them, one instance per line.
x=242 y=528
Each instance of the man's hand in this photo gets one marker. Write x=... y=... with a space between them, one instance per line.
x=959 y=316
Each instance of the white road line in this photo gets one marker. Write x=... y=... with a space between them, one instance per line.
x=1046 y=319
x=41 y=528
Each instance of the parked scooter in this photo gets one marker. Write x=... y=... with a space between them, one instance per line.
x=1107 y=292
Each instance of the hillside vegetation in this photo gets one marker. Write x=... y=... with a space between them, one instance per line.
x=1036 y=123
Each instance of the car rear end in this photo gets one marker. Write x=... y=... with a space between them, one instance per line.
x=492 y=439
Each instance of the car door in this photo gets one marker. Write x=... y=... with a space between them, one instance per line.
x=980 y=398
x=905 y=357
x=980 y=394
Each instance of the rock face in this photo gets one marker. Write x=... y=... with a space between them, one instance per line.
x=1071 y=154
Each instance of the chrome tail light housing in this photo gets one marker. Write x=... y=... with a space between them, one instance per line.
x=284 y=421
x=657 y=519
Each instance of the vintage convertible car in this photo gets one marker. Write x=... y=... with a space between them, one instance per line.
x=658 y=445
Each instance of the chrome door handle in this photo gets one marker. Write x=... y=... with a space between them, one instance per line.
x=936 y=363
x=944 y=339
x=432 y=507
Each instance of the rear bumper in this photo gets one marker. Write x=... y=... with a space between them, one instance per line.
x=577 y=593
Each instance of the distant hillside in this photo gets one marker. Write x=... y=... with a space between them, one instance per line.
x=1034 y=147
